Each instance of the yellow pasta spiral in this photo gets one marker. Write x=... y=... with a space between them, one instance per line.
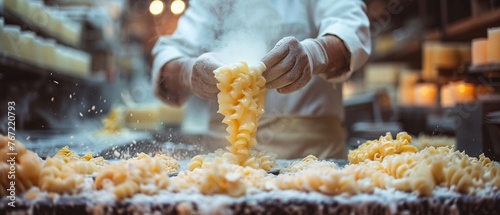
x=457 y=178
x=241 y=102
x=58 y=177
x=384 y=146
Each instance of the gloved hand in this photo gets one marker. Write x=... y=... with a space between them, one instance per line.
x=290 y=64
x=201 y=75
x=179 y=78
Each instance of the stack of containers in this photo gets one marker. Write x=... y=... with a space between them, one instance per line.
x=46 y=53
x=486 y=50
x=438 y=55
x=42 y=17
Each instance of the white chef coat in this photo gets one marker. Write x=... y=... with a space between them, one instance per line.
x=209 y=25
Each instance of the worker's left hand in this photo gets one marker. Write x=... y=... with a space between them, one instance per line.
x=288 y=67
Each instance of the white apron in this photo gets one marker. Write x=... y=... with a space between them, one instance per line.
x=291 y=136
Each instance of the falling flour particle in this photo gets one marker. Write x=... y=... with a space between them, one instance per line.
x=56 y=82
x=71 y=137
x=28 y=138
x=93 y=107
x=81 y=115
x=52 y=99
x=117 y=154
x=104 y=100
x=70 y=96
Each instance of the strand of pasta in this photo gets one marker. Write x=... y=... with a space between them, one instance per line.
x=241 y=102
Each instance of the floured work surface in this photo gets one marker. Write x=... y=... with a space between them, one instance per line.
x=73 y=184
x=274 y=202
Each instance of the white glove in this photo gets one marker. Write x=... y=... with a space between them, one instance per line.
x=291 y=64
x=201 y=75
x=179 y=78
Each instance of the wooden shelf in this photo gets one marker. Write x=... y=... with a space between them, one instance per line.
x=464 y=30
x=487 y=74
x=14 y=19
x=13 y=68
x=489 y=68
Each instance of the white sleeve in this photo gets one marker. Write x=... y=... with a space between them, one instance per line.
x=194 y=35
x=347 y=20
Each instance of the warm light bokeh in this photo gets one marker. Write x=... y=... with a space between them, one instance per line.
x=156 y=7
x=177 y=7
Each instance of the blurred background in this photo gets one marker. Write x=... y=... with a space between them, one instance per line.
x=84 y=65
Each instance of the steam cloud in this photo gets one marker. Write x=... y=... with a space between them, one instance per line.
x=245 y=32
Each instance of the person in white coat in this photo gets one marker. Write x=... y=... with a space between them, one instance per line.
x=317 y=45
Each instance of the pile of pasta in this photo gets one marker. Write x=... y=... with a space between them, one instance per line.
x=220 y=177
x=389 y=163
x=25 y=169
x=67 y=173
x=86 y=164
x=419 y=172
x=114 y=122
x=64 y=173
x=379 y=149
x=142 y=174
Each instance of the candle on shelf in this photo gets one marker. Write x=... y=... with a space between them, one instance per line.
x=447 y=98
x=48 y=51
x=407 y=82
x=22 y=8
x=10 y=4
x=425 y=94
x=464 y=92
x=10 y=39
x=406 y=96
x=27 y=46
x=494 y=44
x=1 y=33
x=479 y=51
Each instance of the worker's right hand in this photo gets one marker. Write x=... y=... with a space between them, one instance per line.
x=288 y=66
x=202 y=78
